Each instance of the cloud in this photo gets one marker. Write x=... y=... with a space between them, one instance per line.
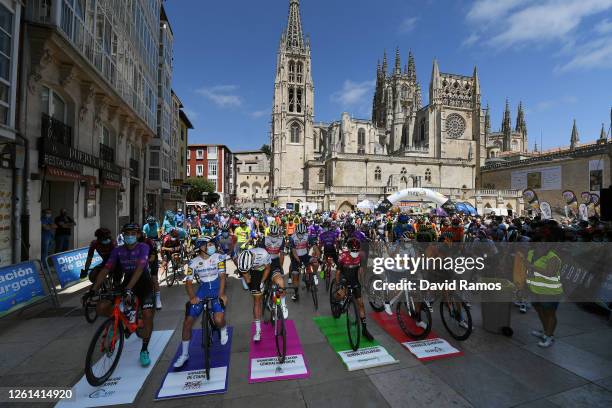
x=260 y=113
x=604 y=27
x=223 y=96
x=471 y=40
x=485 y=11
x=551 y=103
x=353 y=93
x=408 y=24
x=594 y=54
x=191 y=114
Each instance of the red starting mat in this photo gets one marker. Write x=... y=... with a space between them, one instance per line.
x=431 y=348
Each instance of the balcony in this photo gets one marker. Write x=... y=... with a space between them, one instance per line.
x=107 y=153
x=134 y=167
x=55 y=130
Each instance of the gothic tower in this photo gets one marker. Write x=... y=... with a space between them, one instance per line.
x=506 y=128
x=293 y=107
x=521 y=127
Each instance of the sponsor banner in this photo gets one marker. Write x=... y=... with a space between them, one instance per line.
x=263 y=358
x=391 y=326
x=190 y=380
x=431 y=349
x=126 y=381
x=20 y=284
x=370 y=353
x=545 y=178
x=68 y=264
x=367 y=357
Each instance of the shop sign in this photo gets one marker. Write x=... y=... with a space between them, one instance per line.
x=77 y=156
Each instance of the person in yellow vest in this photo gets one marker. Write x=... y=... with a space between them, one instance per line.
x=544 y=279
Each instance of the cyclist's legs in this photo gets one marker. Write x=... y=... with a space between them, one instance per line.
x=144 y=290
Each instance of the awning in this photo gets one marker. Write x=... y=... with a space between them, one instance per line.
x=62 y=174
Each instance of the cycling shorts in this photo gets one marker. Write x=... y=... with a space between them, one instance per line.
x=330 y=252
x=303 y=260
x=275 y=266
x=352 y=280
x=153 y=268
x=205 y=291
x=144 y=291
x=255 y=284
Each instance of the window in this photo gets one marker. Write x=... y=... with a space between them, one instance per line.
x=199 y=154
x=250 y=169
x=214 y=182
x=295 y=133
x=188 y=170
x=212 y=152
x=291 y=71
x=154 y=174
x=6 y=45
x=212 y=169
x=321 y=176
x=300 y=70
x=404 y=92
x=53 y=105
x=361 y=137
x=188 y=154
x=404 y=171
x=291 y=99
x=299 y=100
x=199 y=170
x=154 y=159
x=377 y=174
x=404 y=135
x=428 y=175
x=422 y=130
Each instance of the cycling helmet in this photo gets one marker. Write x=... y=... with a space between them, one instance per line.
x=245 y=261
x=131 y=226
x=301 y=229
x=407 y=236
x=353 y=245
x=102 y=233
x=402 y=219
x=273 y=229
x=513 y=235
x=174 y=233
x=224 y=227
x=151 y=220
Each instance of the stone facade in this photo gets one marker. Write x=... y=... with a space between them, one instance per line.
x=441 y=145
x=252 y=169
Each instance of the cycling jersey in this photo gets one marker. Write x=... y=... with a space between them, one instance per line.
x=314 y=231
x=207 y=269
x=225 y=243
x=349 y=267
x=328 y=239
x=290 y=228
x=299 y=242
x=103 y=250
x=242 y=235
x=274 y=245
x=168 y=242
x=129 y=260
x=208 y=231
x=150 y=231
x=262 y=259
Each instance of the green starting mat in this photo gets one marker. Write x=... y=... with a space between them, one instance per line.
x=370 y=353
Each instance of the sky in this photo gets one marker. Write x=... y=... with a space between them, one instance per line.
x=553 y=55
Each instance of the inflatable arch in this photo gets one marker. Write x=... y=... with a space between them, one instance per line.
x=424 y=194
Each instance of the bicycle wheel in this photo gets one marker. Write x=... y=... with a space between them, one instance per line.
x=102 y=357
x=89 y=310
x=280 y=335
x=333 y=303
x=407 y=317
x=171 y=274
x=353 y=324
x=375 y=297
x=327 y=277
x=206 y=340
x=267 y=307
x=457 y=320
x=313 y=291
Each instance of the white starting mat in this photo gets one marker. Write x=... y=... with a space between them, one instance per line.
x=126 y=381
x=366 y=357
x=431 y=349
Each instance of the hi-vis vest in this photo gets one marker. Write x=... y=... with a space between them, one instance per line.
x=542 y=284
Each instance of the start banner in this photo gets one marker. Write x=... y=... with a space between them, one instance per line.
x=20 y=284
x=68 y=265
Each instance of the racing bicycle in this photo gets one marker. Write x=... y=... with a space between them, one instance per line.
x=342 y=301
x=208 y=329
x=310 y=280
x=273 y=313
x=107 y=343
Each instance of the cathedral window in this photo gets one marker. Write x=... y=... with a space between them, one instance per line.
x=422 y=130
x=361 y=136
x=404 y=92
x=405 y=135
x=295 y=133
x=291 y=99
x=321 y=176
x=291 y=71
x=428 y=175
x=299 y=100
x=377 y=174
x=300 y=72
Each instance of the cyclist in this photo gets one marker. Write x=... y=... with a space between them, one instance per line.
x=274 y=243
x=243 y=235
x=350 y=268
x=132 y=259
x=103 y=245
x=226 y=241
x=151 y=228
x=207 y=229
x=169 y=222
x=298 y=243
x=328 y=240
x=179 y=217
x=254 y=266
x=170 y=245
x=314 y=230
x=401 y=226
x=153 y=267
x=209 y=265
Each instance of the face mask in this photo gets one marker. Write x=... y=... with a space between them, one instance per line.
x=173 y=238
x=354 y=254
x=130 y=239
x=105 y=241
x=151 y=223
x=211 y=250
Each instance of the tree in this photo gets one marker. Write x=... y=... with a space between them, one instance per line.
x=266 y=150
x=199 y=186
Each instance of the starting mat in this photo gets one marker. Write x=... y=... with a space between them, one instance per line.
x=370 y=353
x=263 y=356
x=430 y=348
x=190 y=379
x=126 y=381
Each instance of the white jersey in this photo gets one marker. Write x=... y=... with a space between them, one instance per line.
x=207 y=269
x=262 y=258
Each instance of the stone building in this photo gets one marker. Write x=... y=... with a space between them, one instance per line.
x=441 y=145
x=216 y=164
x=579 y=170
x=87 y=111
x=506 y=141
x=252 y=169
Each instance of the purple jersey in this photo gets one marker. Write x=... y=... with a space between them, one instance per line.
x=328 y=239
x=314 y=230
x=359 y=235
x=128 y=260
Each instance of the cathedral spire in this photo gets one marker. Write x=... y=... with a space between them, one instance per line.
x=521 y=125
x=574 y=139
x=295 y=37
x=506 y=122
x=398 y=62
x=487 y=123
x=603 y=137
x=435 y=82
x=411 y=68
x=384 y=66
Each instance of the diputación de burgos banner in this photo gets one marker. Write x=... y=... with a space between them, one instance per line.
x=19 y=285
x=68 y=265
x=491 y=271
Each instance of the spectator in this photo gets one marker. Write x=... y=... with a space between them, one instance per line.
x=64 y=229
x=47 y=233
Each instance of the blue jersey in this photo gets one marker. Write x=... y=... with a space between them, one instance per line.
x=150 y=231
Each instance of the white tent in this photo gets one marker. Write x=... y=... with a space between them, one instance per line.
x=366 y=205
